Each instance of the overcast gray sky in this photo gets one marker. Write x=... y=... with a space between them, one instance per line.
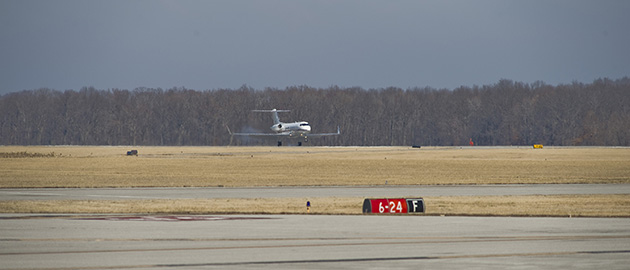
x=62 y=44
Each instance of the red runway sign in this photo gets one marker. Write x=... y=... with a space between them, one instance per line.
x=393 y=206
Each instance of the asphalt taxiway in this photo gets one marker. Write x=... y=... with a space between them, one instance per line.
x=311 y=242
x=306 y=192
x=47 y=242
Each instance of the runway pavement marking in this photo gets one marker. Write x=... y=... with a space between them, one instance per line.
x=31 y=193
x=172 y=218
x=429 y=240
x=347 y=260
x=120 y=196
x=8 y=193
x=496 y=238
x=395 y=258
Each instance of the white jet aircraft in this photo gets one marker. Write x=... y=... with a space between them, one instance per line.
x=298 y=130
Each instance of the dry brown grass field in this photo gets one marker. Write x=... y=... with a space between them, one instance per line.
x=103 y=166
x=615 y=205
x=108 y=166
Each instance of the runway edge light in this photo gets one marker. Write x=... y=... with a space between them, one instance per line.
x=393 y=206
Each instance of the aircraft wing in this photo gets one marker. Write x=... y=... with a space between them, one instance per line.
x=258 y=134
x=283 y=134
x=324 y=134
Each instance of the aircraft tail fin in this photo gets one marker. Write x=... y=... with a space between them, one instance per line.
x=274 y=114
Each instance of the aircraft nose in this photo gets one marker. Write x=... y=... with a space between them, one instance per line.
x=307 y=128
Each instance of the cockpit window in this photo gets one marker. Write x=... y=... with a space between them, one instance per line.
x=303 y=124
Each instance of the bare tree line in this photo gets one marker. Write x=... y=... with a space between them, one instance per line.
x=506 y=113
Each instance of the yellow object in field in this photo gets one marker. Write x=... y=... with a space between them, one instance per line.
x=538 y=146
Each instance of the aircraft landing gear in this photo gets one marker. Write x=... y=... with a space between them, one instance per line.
x=298 y=144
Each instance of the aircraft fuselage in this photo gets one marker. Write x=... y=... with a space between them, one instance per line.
x=292 y=129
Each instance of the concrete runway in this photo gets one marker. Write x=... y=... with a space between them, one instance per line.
x=311 y=242
x=307 y=192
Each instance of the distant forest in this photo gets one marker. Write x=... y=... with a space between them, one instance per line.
x=505 y=113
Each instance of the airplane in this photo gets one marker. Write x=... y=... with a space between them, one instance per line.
x=300 y=130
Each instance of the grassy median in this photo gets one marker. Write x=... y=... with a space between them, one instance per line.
x=308 y=166
x=535 y=205
x=103 y=166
